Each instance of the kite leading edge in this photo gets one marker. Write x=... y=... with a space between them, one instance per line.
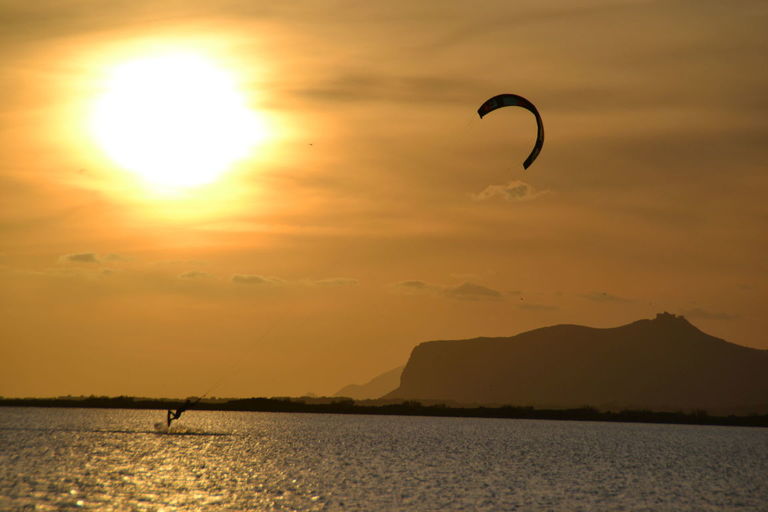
x=513 y=100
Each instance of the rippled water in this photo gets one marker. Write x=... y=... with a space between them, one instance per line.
x=71 y=459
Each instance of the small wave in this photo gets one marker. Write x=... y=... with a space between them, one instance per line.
x=178 y=430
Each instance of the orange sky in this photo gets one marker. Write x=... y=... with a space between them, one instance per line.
x=379 y=211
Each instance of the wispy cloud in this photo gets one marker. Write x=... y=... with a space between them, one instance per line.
x=80 y=257
x=413 y=286
x=254 y=279
x=195 y=275
x=115 y=257
x=463 y=291
x=515 y=190
x=472 y=291
x=604 y=297
x=261 y=280
x=367 y=86
x=536 y=307
x=91 y=257
x=335 y=281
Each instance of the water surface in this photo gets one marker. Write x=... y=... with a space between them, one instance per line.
x=80 y=459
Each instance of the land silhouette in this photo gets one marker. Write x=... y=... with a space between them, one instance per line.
x=663 y=364
x=375 y=388
x=394 y=407
x=663 y=370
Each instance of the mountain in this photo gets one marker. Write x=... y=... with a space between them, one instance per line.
x=375 y=388
x=660 y=364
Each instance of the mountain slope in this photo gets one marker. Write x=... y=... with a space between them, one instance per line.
x=374 y=388
x=664 y=363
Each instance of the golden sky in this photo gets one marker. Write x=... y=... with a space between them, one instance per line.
x=355 y=205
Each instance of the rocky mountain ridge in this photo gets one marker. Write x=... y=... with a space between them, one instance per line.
x=661 y=364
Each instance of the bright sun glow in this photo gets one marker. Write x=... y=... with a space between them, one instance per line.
x=176 y=120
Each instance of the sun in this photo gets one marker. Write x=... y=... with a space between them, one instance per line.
x=176 y=120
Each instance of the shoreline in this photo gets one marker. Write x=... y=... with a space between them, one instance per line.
x=403 y=408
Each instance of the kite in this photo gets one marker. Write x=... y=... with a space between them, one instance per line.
x=513 y=100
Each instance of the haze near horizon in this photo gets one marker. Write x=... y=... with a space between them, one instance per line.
x=286 y=198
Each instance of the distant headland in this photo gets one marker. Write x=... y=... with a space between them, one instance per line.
x=660 y=364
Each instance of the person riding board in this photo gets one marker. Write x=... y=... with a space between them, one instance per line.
x=171 y=415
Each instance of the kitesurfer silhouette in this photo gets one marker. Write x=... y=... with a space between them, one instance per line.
x=171 y=415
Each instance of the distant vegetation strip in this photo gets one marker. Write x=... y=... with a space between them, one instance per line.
x=407 y=408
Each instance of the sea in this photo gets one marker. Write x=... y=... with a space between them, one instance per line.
x=125 y=460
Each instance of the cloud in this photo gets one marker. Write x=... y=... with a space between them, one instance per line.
x=472 y=291
x=515 y=190
x=194 y=275
x=416 y=287
x=413 y=285
x=259 y=280
x=336 y=281
x=367 y=86
x=91 y=257
x=464 y=291
x=505 y=22
x=80 y=257
x=708 y=315
x=604 y=297
x=253 y=279
x=115 y=257
x=536 y=307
